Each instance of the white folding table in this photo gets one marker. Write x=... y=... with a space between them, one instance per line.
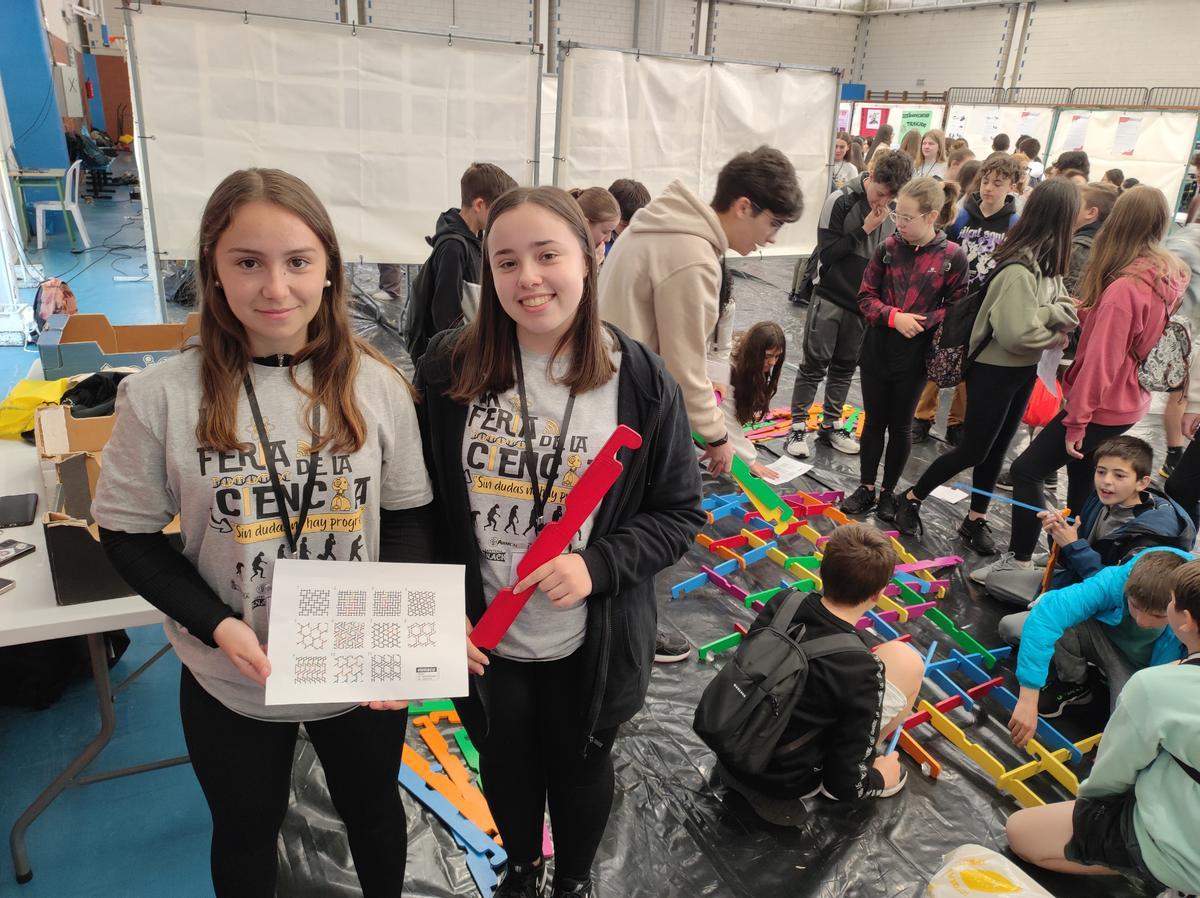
x=29 y=613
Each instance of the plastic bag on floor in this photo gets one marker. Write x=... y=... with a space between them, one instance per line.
x=972 y=870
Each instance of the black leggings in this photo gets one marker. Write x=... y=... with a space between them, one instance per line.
x=996 y=400
x=1184 y=483
x=533 y=754
x=890 y=396
x=1045 y=455
x=245 y=766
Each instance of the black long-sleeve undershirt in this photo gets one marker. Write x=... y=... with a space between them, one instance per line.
x=159 y=572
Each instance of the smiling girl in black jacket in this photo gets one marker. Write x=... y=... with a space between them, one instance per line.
x=516 y=405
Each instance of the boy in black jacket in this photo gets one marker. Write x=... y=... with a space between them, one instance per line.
x=447 y=289
x=852 y=700
x=854 y=222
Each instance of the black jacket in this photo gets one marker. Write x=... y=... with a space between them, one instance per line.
x=843 y=697
x=455 y=259
x=646 y=523
x=843 y=247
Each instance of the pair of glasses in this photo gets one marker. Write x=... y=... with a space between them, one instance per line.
x=903 y=219
x=776 y=223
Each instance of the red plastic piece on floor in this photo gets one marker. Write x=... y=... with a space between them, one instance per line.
x=583 y=499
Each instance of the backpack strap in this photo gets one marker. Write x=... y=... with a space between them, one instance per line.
x=1188 y=768
x=833 y=645
x=782 y=621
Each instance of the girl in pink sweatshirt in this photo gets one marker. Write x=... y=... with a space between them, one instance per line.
x=1129 y=289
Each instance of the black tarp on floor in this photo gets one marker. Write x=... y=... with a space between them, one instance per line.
x=675 y=830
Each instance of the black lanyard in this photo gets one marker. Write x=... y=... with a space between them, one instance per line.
x=540 y=497
x=291 y=538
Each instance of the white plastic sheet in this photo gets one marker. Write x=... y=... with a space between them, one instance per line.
x=658 y=119
x=1161 y=142
x=380 y=124
x=979 y=124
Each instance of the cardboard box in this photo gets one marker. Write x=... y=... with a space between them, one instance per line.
x=84 y=344
x=71 y=448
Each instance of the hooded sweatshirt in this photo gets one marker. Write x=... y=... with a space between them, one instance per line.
x=1081 y=251
x=843 y=247
x=661 y=286
x=1023 y=313
x=1118 y=333
x=453 y=264
x=981 y=235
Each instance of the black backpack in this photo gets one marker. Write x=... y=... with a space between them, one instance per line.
x=745 y=708
x=948 y=353
x=418 y=312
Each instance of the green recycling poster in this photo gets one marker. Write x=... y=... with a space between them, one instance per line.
x=919 y=119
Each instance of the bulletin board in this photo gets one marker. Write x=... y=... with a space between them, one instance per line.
x=979 y=124
x=1154 y=147
x=380 y=123
x=662 y=117
x=867 y=118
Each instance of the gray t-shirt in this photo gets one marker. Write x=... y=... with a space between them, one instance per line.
x=1109 y=520
x=152 y=470
x=501 y=495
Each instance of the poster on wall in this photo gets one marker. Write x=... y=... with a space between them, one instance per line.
x=871 y=119
x=1076 y=131
x=1129 y=129
x=915 y=119
x=844 y=117
x=1031 y=121
x=991 y=124
x=958 y=123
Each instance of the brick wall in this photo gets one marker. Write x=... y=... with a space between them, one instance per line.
x=506 y=19
x=944 y=48
x=1107 y=43
x=771 y=34
x=607 y=24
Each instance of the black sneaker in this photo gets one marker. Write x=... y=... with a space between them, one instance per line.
x=886 y=509
x=920 y=430
x=1057 y=695
x=669 y=648
x=978 y=535
x=908 y=515
x=1004 y=481
x=573 y=889
x=860 y=501
x=522 y=881
x=1174 y=453
x=798 y=300
x=954 y=434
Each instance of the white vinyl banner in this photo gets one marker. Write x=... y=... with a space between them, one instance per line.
x=658 y=119
x=980 y=124
x=1154 y=147
x=381 y=124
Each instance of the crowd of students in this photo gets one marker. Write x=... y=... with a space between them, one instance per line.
x=543 y=320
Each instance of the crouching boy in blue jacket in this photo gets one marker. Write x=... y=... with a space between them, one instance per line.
x=1139 y=811
x=1116 y=620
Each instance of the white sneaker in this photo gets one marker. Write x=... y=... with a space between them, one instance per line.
x=1041 y=559
x=1006 y=562
x=841 y=441
x=796 y=444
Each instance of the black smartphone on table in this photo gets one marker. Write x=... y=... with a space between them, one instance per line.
x=11 y=550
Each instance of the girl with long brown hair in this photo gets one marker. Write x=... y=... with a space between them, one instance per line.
x=515 y=406
x=280 y=435
x=845 y=169
x=754 y=370
x=932 y=159
x=1129 y=289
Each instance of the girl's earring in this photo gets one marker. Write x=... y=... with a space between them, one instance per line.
x=217 y=283
x=328 y=283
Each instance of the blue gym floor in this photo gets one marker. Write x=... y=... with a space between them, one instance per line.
x=145 y=835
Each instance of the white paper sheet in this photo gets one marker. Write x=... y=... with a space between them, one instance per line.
x=788 y=468
x=948 y=494
x=1048 y=368
x=991 y=124
x=1077 y=132
x=1129 y=129
x=958 y=123
x=1031 y=121
x=344 y=631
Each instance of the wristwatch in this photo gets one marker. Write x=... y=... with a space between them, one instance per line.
x=713 y=444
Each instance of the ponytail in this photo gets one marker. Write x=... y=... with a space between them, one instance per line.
x=951 y=191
